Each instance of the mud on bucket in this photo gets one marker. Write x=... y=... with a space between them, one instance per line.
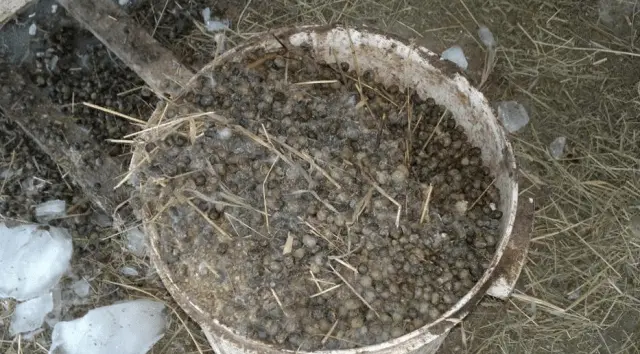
x=330 y=190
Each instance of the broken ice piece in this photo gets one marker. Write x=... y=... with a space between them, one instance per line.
x=129 y=271
x=456 y=56
x=513 y=115
x=574 y=294
x=8 y=174
x=51 y=210
x=29 y=315
x=123 y=2
x=32 y=259
x=131 y=327
x=54 y=8
x=486 y=37
x=556 y=148
x=82 y=288
x=137 y=242
x=214 y=25
x=55 y=315
x=206 y=14
x=33 y=29
x=53 y=63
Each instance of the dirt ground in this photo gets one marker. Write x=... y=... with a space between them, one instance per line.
x=574 y=65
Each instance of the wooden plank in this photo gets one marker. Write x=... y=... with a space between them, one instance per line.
x=156 y=65
x=69 y=145
x=10 y=7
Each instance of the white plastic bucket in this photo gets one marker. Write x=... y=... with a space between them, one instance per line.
x=393 y=62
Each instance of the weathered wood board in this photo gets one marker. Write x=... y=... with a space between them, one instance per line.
x=156 y=65
x=70 y=146
x=10 y=7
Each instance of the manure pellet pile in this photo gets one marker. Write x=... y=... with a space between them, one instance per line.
x=72 y=67
x=317 y=209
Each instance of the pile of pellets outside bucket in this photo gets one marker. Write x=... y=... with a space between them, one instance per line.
x=330 y=190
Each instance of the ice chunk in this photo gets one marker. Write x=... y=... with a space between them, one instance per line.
x=129 y=271
x=33 y=29
x=512 y=115
x=33 y=185
x=54 y=8
x=30 y=314
x=123 y=2
x=53 y=63
x=206 y=14
x=131 y=327
x=137 y=242
x=8 y=174
x=214 y=25
x=82 y=288
x=456 y=56
x=556 y=148
x=32 y=259
x=486 y=37
x=51 y=210
x=54 y=316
